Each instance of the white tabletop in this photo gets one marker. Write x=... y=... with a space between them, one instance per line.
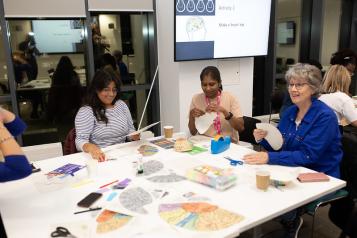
x=30 y=209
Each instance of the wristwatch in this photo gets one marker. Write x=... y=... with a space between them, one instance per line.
x=230 y=115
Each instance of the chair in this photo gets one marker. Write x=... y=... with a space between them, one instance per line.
x=70 y=143
x=311 y=208
x=249 y=126
x=44 y=151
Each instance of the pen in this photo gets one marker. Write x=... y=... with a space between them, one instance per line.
x=108 y=184
x=89 y=210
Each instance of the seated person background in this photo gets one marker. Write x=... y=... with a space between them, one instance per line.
x=347 y=58
x=124 y=74
x=229 y=120
x=15 y=166
x=28 y=47
x=335 y=88
x=64 y=97
x=107 y=61
x=310 y=133
x=104 y=120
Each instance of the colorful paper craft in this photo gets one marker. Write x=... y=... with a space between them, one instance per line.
x=214 y=177
x=65 y=170
x=110 y=221
x=147 y=150
x=198 y=216
x=197 y=150
x=163 y=143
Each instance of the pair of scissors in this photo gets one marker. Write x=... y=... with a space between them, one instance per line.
x=62 y=232
x=233 y=162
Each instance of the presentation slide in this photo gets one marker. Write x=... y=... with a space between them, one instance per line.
x=208 y=29
x=57 y=36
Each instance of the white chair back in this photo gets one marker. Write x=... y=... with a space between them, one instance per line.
x=45 y=151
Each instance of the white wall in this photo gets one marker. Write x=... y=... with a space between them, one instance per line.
x=180 y=80
x=331 y=29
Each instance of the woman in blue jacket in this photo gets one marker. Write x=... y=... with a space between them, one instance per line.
x=15 y=165
x=310 y=132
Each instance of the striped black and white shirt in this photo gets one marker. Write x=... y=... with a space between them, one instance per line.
x=89 y=130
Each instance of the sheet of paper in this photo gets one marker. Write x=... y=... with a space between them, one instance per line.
x=203 y=122
x=274 y=137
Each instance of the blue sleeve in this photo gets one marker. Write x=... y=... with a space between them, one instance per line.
x=266 y=145
x=311 y=147
x=16 y=127
x=14 y=167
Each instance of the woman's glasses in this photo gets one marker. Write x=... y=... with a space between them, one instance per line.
x=298 y=86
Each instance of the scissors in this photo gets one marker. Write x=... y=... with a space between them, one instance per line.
x=62 y=232
x=233 y=162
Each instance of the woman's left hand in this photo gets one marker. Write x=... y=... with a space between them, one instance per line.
x=135 y=137
x=256 y=158
x=216 y=108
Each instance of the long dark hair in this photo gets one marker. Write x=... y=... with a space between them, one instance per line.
x=100 y=81
x=214 y=73
x=65 y=74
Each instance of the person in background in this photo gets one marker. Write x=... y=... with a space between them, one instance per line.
x=15 y=165
x=124 y=74
x=335 y=87
x=99 y=44
x=213 y=99
x=28 y=47
x=104 y=120
x=64 y=97
x=347 y=58
x=310 y=133
x=107 y=61
x=21 y=70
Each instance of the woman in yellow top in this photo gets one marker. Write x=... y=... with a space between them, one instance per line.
x=229 y=120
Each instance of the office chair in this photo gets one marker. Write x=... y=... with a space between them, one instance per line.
x=70 y=143
x=312 y=208
x=249 y=126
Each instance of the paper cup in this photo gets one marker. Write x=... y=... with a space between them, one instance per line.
x=168 y=131
x=262 y=179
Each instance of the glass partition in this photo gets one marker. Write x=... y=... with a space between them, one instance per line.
x=49 y=67
x=4 y=82
x=125 y=36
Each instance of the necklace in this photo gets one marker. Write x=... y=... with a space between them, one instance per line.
x=217 y=121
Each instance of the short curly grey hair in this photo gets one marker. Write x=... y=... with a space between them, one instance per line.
x=308 y=72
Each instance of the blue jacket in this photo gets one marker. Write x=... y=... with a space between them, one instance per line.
x=315 y=144
x=15 y=166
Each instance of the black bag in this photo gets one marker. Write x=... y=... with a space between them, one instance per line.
x=349 y=161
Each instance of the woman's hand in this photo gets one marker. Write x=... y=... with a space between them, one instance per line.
x=96 y=153
x=135 y=137
x=195 y=112
x=257 y=158
x=6 y=116
x=213 y=107
x=259 y=134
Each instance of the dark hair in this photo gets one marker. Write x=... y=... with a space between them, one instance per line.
x=108 y=59
x=64 y=74
x=344 y=57
x=313 y=62
x=118 y=54
x=100 y=81
x=214 y=73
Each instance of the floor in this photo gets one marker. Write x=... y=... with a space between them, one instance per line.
x=323 y=227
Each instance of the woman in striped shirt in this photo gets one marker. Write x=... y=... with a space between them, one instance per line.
x=104 y=120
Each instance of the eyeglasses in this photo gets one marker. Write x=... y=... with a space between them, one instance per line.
x=298 y=86
x=108 y=90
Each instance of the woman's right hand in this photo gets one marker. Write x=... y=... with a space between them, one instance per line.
x=96 y=153
x=259 y=134
x=195 y=112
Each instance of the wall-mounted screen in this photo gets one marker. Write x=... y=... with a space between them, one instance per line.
x=210 y=29
x=58 y=36
x=286 y=32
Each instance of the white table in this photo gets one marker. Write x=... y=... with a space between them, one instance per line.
x=27 y=212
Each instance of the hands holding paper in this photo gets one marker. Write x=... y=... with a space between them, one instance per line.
x=135 y=137
x=195 y=112
x=259 y=134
